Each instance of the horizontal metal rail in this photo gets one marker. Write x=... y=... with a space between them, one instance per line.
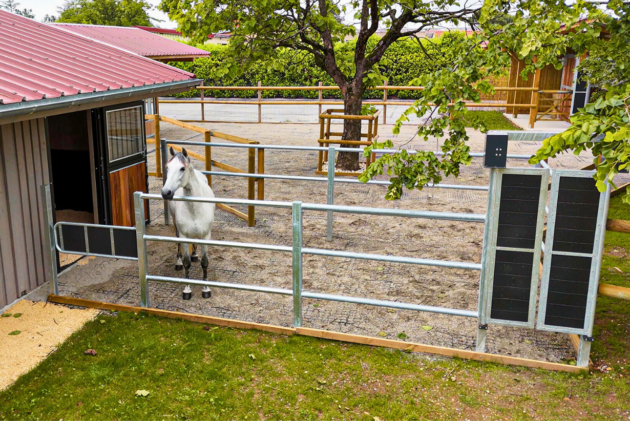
x=391 y=304
x=393 y=259
x=445 y=216
x=264 y=203
x=241 y=287
x=232 y=244
x=79 y=224
x=339 y=180
x=317 y=148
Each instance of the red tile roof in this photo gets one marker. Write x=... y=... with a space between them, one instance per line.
x=165 y=31
x=135 y=40
x=40 y=61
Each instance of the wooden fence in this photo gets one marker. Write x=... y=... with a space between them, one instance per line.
x=209 y=162
x=534 y=105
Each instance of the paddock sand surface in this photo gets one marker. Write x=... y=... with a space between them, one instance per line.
x=117 y=281
x=42 y=326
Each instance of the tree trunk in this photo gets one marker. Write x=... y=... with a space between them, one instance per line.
x=352 y=101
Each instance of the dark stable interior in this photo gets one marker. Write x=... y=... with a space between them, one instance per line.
x=71 y=170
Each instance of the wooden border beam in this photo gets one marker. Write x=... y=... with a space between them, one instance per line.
x=324 y=334
x=614 y=291
x=618 y=225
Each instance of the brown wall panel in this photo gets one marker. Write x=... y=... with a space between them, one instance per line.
x=23 y=169
x=123 y=183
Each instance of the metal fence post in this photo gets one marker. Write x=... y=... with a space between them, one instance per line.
x=158 y=152
x=330 y=193
x=49 y=236
x=584 y=352
x=297 y=264
x=167 y=216
x=482 y=330
x=138 y=204
x=203 y=105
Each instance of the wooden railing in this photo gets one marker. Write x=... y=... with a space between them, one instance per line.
x=533 y=106
x=209 y=162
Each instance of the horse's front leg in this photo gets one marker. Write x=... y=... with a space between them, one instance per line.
x=205 y=292
x=187 y=264
x=178 y=265
x=194 y=257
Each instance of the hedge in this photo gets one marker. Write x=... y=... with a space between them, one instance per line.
x=401 y=63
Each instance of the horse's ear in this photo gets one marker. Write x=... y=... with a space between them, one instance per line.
x=172 y=151
x=185 y=153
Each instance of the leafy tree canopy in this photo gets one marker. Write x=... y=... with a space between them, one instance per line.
x=537 y=31
x=540 y=32
x=323 y=29
x=13 y=7
x=106 y=12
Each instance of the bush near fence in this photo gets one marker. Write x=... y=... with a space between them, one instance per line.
x=400 y=64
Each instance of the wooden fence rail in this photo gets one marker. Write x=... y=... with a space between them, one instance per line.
x=533 y=106
x=209 y=162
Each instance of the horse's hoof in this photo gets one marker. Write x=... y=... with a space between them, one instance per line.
x=206 y=294
x=187 y=295
x=179 y=267
x=194 y=258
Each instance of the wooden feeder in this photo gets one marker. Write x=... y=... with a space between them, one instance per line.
x=326 y=137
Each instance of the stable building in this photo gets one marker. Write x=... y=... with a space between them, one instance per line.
x=72 y=113
x=137 y=41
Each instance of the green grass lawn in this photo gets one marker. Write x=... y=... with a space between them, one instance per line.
x=494 y=120
x=612 y=320
x=222 y=374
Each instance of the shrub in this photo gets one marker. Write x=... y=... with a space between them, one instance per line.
x=401 y=63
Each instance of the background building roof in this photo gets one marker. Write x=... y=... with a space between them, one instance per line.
x=137 y=41
x=41 y=61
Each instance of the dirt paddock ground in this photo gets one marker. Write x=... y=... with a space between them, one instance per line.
x=117 y=281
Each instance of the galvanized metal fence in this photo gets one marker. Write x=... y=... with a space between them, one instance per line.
x=104 y=238
x=330 y=178
x=298 y=251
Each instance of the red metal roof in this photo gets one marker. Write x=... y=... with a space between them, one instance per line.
x=165 y=31
x=135 y=40
x=40 y=61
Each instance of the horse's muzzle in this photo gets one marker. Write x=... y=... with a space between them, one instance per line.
x=167 y=194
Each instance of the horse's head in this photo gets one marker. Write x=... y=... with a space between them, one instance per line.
x=178 y=171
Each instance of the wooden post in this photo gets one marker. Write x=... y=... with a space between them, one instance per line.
x=320 y=98
x=251 y=190
x=533 y=111
x=158 y=145
x=259 y=99
x=261 y=170
x=203 y=97
x=385 y=105
x=320 y=154
x=327 y=136
x=369 y=139
x=208 y=138
x=156 y=101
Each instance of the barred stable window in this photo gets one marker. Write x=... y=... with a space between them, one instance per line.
x=124 y=132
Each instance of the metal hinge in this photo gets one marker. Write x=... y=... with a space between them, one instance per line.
x=588 y=338
x=483 y=327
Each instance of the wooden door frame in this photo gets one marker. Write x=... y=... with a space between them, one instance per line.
x=102 y=156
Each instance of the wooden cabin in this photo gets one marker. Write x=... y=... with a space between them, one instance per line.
x=560 y=92
x=72 y=116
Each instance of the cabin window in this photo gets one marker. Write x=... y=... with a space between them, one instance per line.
x=124 y=132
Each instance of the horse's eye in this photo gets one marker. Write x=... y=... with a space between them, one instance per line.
x=182 y=169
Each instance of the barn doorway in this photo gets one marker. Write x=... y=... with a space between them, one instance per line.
x=72 y=167
x=72 y=171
